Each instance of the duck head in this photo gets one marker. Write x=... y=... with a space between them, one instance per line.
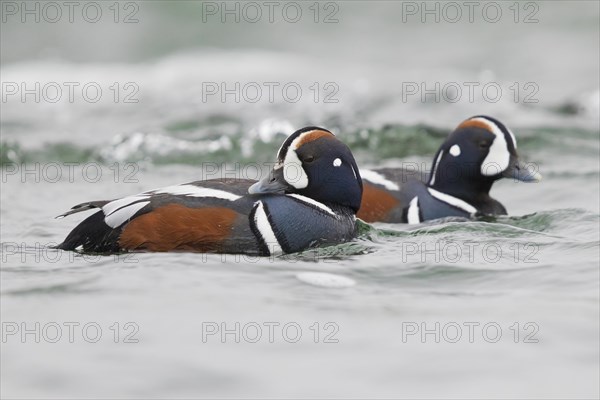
x=312 y=162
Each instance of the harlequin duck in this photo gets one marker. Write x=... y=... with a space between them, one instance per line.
x=480 y=151
x=309 y=198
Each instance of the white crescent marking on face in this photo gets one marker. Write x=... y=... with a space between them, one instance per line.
x=354 y=172
x=455 y=150
x=117 y=218
x=512 y=135
x=437 y=163
x=453 y=201
x=266 y=230
x=498 y=156
x=413 y=211
x=378 y=179
x=337 y=162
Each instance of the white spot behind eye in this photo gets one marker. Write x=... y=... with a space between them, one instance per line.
x=337 y=162
x=455 y=150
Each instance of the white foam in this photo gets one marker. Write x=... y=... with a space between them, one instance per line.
x=324 y=279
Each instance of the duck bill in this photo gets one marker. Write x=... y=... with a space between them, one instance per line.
x=272 y=183
x=522 y=172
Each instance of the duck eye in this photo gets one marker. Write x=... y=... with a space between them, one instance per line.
x=484 y=145
x=309 y=159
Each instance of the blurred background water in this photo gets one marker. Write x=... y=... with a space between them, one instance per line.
x=172 y=91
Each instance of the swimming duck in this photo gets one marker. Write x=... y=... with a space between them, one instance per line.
x=480 y=151
x=309 y=198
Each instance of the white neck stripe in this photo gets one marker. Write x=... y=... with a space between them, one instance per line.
x=266 y=230
x=453 y=201
x=308 y=200
x=413 y=211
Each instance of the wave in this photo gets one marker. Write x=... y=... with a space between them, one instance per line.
x=182 y=144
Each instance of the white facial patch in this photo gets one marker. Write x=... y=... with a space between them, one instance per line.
x=413 y=211
x=378 y=179
x=455 y=150
x=266 y=230
x=498 y=156
x=293 y=172
x=337 y=162
x=437 y=164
